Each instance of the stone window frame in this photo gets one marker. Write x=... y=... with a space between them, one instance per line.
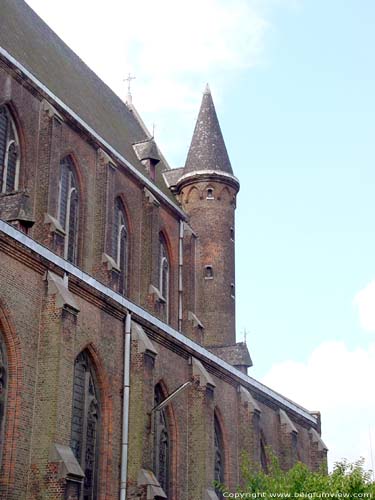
x=219 y=454
x=210 y=193
x=3 y=391
x=88 y=420
x=164 y=274
x=72 y=193
x=10 y=138
x=162 y=433
x=121 y=237
x=233 y=290
x=208 y=272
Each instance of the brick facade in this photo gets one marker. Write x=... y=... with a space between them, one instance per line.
x=51 y=311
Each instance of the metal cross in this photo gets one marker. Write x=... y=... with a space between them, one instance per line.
x=129 y=79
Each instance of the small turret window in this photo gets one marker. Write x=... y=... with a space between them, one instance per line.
x=208 y=273
x=232 y=291
x=232 y=233
x=210 y=194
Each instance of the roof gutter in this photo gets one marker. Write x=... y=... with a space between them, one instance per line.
x=181 y=339
x=150 y=185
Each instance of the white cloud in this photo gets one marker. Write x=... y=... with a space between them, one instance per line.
x=172 y=47
x=339 y=383
x=365 y=302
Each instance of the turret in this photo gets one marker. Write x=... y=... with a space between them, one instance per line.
x=207 y=189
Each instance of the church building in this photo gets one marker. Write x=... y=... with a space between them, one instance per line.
x=120 y=375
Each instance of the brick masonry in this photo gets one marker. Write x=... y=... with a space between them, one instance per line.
x=44 y=333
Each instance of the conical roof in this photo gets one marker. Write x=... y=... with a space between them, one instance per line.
x=207 y=149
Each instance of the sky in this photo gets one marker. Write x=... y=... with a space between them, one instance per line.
x=293 y=83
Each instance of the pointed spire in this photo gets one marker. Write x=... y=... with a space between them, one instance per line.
x=207 y=149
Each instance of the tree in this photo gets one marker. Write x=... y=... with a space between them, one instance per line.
x=347 y=480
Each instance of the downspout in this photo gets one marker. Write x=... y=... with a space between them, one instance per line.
x=125 y=408
x=180 y=264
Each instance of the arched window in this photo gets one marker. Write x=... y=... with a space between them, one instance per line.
x=263 y=456
x=69 y=208
x=164 y=275
x=219 y=455
x=161 y=444
x=210 y=194
x=9 y=152
x=85 y=424
x=121 y=244
x=3 y=390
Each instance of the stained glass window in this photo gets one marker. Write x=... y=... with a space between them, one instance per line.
x=120 y=244
x=85 y=424
x=69 y=208
x=164 y=275
x=161 y=444
x=263 y=456
x=219 y=456
x=3 y=389
x=9 y=152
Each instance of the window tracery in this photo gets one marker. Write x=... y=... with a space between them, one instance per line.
x=161 y=444
x=9 y=152
x=85 y=424
x=218 y=456
x=69 y=208
x=164 y=275
x=3 y=389
x=120 y=244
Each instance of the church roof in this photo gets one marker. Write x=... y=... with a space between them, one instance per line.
x=32 y=43
x=207 y=149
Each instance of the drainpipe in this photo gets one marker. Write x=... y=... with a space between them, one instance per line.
x=125 y=408
x=180 y=264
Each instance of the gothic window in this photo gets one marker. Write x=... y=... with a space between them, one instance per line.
x=3 y=390
x=161 y=444
x=9 y=152
x=219 y=455
x=164 y=274
x=210 y=194
x=85 y=424
x=263 y=456
x=120 y=244
x=69 y=208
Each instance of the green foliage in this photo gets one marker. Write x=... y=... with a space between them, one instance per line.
x=347 y=480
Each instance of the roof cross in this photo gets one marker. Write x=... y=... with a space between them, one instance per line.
x=129 y=79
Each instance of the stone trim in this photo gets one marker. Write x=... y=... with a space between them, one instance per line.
x=202 y=374
x=286 y=422
x=59 y=286
x=144 y=343
x=154 y=490
x=315 y=438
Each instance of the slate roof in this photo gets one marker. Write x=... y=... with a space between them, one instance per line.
x=236 y=354
x=30 y=40
x=207 y=150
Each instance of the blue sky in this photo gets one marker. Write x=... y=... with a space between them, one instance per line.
x=293 y=82
x=303 y=148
